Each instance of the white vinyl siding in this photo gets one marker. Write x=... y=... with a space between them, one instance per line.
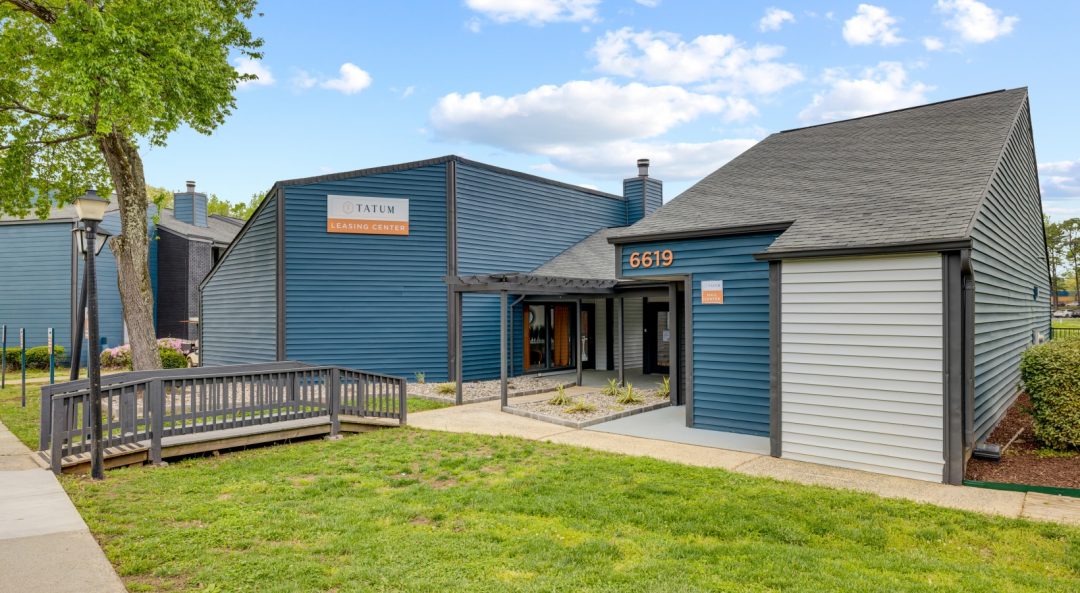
x=862 y=364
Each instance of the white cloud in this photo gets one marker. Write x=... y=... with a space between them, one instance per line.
x=678 y=161
x=720 y=61
x=933 y=44
x=303 y=81
x=578 y=112
x=535 y=12
x=1060 y=183
x=774 y=19
x=474 y=25
x=881 y=88
x=246 y=65
x=409 y=90
x=871 y=24
x=352 y=80
x=975 y=21
x=649 y=3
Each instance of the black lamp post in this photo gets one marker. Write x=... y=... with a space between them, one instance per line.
x=91 y=210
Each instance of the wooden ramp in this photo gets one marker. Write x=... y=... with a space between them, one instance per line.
x=138 y=453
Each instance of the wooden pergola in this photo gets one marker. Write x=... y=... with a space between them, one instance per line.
x=528 y=284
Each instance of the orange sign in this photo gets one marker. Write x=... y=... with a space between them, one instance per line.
x=363 y=215
x=712 y=292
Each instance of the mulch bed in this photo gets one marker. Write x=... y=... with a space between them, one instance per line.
x=603 y=406
x=1024 y=462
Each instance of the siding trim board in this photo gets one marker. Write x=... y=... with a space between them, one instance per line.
x=282 y=279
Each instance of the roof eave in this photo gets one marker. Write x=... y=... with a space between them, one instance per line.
x=886 y=249
x=702 y=233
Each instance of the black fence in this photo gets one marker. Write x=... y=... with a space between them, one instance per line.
x=1065 y=333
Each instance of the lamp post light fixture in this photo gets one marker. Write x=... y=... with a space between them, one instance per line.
x=90 y=208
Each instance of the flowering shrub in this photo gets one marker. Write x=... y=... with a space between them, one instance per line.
x=120 y=356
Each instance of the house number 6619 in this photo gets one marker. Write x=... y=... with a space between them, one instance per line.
x=651 y=259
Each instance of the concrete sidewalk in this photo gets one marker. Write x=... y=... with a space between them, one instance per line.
x=487 y=418
x=45 y=547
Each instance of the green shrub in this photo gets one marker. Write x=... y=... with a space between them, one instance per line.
x=171 y=359
x=1051 y=374
x=37 y=358
x=117 y=358
x=446 y=388
x=560 y=399
x=420 y=377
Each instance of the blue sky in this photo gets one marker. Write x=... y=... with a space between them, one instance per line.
x=578 y=89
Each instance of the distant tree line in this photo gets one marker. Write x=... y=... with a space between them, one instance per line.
x=215 y=205
x=1063 y=249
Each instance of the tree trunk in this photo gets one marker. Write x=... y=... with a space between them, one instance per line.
x=132 y=248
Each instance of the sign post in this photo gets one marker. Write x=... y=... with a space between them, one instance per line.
x=22 y=362
x=3 y=357
x=52 y=359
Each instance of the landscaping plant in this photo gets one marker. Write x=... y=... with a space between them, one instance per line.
x=612 y=388
x=37 y=358
x=419 y=377
x=628 y=395
x=580 y=407
x=665 y=388
x=560 y=399
x=1051 y=375
x=447 y=388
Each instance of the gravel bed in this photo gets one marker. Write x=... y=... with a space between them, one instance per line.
x=473 y=391
x=605 y=405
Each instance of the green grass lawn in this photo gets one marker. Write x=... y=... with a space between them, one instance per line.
x=408 y=510
x=1069 y=322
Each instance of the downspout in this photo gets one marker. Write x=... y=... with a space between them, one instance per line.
x=967 y=279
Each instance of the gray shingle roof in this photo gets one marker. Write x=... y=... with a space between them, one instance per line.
x=593 y=257
x=909 y=176
x=220 y=229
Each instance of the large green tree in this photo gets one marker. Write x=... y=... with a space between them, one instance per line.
x=84 y=84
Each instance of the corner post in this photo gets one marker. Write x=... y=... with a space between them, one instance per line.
x=156 y=395
x=333 y=400
x=776 y=437
x=59 y=422
x=503 y=343
x=403 y=401
x=45 y=418
x=459 y=392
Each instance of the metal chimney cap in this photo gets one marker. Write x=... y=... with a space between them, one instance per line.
x=190 y=187
x=643 y=167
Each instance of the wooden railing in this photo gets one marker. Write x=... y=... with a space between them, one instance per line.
x=145 y=407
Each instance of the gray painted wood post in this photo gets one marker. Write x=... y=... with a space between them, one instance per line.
x=59 y=422
x=45 y=423
x=620 y=358
x=503 y=395
x=673 y=342
x=403 y=402
x=156 y=395
x=577 y=341
x=333 y=400
x=459 y=298
x=127 y=410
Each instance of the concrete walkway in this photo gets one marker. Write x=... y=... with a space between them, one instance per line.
x=487 y=418
x=44 y=544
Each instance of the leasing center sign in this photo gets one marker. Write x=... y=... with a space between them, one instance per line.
x=361 y=215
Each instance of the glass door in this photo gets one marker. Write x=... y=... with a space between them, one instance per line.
x=657 y=338
x=549 y=337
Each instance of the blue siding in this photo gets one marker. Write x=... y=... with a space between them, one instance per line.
x=369 y=301
x=511 y=224
x=635 y=203
x=239 y=302
x=190 y=208
x=1009 y=258
x=36 y=290
x=730 y=341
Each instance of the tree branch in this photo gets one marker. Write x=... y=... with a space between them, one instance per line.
x=17 y=106
x=41 y=12
x=52 y=141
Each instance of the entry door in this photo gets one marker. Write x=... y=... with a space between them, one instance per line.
x=657 y=339
x=549 y=337
x=588 y=340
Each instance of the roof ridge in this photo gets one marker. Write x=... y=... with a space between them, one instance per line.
x=902 y=109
